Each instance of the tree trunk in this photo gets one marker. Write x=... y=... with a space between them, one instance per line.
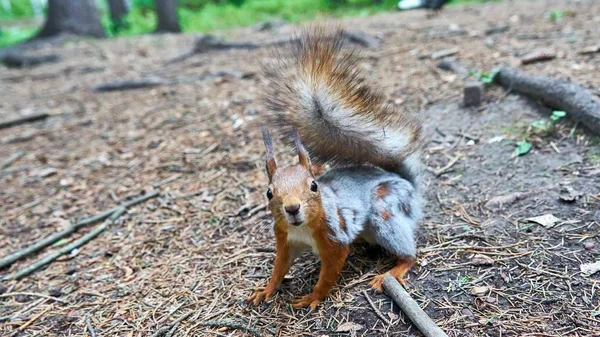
x=118 y=11
x=79 y=17
x=166 y=11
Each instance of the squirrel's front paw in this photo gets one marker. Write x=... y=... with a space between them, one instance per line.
x=311 y=300
x=260 y=296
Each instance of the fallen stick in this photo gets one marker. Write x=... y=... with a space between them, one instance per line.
x=48 y=297
x=170 y=328
x=579 y=103
x=231 y=324
x=23 y=120
x=128 y=85
x=68 y=248
x=10 y=259
x=17 y=60
x=88 y=325
x=377 y=311
x=31 y=321
x=16 y=156
x=16 y=315
x=411 y=308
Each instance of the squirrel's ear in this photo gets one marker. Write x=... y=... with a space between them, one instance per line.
x=271 y=164
x=302 y=154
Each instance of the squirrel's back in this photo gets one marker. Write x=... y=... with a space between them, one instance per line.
x=319 y=89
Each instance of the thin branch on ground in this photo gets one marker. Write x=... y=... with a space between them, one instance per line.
x=173 y=326
x=377 y=311
x=34 y=295
x=68 y=248
x=10 y=259
x=23 y=120
x=16 y=156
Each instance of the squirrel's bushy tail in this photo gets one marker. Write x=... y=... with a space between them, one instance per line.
x=319 y=89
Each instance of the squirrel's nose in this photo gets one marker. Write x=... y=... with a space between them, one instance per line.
x=292 y=209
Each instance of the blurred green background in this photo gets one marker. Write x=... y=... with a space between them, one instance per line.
x=20 y=19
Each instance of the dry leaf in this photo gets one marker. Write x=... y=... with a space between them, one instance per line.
x=482 y=260
x=478 y=291
x=505 y=200
x=349 y=326
x=590 y=268
x=546 y=220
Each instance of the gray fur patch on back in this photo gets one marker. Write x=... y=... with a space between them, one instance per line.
x=390 y=221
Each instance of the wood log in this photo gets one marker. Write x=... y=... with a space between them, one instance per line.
x=579 y=103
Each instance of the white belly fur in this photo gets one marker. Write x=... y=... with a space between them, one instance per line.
x=302 y=235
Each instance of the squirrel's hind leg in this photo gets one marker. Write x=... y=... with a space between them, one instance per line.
x=402 y=266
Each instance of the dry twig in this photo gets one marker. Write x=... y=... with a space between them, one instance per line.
x=10 y=259
x=23 y=120
x=377 y=311
x=68 y=248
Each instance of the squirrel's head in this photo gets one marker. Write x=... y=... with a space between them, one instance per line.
x=293 y=193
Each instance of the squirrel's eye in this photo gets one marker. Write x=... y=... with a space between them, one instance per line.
x=313 y=186
x=269 y=194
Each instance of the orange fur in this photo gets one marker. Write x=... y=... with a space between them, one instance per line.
x=386 y=215
x=289 y=188
x=333 y=257
x=283 y=262
x=382 y=191
x=341 y=219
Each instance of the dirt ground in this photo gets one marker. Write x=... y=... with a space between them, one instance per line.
x=197 y=250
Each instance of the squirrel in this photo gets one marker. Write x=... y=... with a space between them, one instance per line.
x=318 y=95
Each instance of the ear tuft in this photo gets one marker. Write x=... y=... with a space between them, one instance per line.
x=271 y=164
x=302 y=153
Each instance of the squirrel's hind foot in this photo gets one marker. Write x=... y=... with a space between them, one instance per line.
x=403 y=264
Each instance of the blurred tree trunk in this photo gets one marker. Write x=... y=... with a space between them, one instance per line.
x=79 y=17
x=118 y=11
x=166 y=11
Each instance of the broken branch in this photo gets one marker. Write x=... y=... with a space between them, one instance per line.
x=128 y=85
x=68 y=248
x=10 y=259
x=411 y=308
x=16 y=156
x=23 y=120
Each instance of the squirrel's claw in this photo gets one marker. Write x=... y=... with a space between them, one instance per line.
x=260 y=296
x=306 y=301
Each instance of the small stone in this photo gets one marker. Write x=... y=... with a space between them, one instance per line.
x=47 y=172
x=71 y=270
x=589 y=245
x=3 y=289
x=22 y=298
x=473 y=94
x=568 y=194
x=55 y=292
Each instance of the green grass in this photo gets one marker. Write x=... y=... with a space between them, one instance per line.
x=207 y=16
x=14 y=35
